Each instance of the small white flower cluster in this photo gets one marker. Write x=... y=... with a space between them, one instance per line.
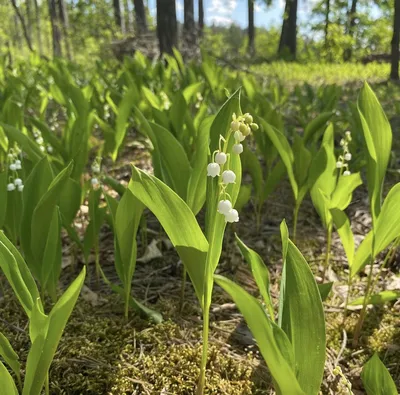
x=166 y=103
x=40 y=142
x=344 y=384
x=14 y=165
x=241 y=127
x=342 y=162
x=96 y=169
x=200 y=99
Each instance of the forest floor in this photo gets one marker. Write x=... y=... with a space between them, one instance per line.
x=103 y=353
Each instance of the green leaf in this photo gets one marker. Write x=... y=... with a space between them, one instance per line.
x=378 y=138
x=252 y=164
x=243 y=197
x=343 y=192
x=45 y=344
x=324 y=290
x=376 y=378
x=379 y=298
x=70 y=200
x=301 y=316
x=18 y=274
x=191 y=90
x=3 y=197
x=285 y=381
x=170 y=210
x=316 y=125
x=259 y=271
x=9 y=356
x=7 y=383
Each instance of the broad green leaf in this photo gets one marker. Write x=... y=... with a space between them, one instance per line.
x=37 y=368
x=316 y=125
x=259 y=271
x=363 y=254
x=302 y=161
x=177 y=114
x=301 y=316
x=3 y=196
x=343 y=227
x=324 y=290
x=379 y=298
x=170 y=210
x=9 y=355
x=251 y=163
x=376 y=378
x=243 y=197
x=152 y=98
x=191 y=90
x=7 y=383
x=283 y=375
x=343 y=192
x=378 y=138
x=70 y=200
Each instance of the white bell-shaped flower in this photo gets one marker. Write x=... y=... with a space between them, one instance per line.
x=42 y=148
x=239 y=136
x=10 y=187
x=346 y=173
x=18 y=164
x=221 y=158
x=235 y=125
x=237 y=149
x=50 y=149
x=17 y=182
x=13 y=167
x=94 y=181
x=213 y=169
x=232 y=216
x=20 y=188
x=347 y=156
x=224 y=206
x=339 y=164
x=228 y=177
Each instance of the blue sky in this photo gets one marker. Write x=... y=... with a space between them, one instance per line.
x=224 y=12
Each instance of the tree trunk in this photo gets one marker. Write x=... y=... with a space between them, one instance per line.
x=201 y=17
x=140 y=16
x=189 y=34
x=63 y=12
x=23 y=25
x=29 y=18
x=326 y=30
x=127 y=17
x=350 y=29
x=38 y=24
x=55 y=28
x=119 y=20
x=287 y=42
x=167 y=28
x=394 y=70
x=250 y=31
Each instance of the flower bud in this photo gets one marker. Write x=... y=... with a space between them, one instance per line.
x=13 y=167
x=254 y=127
x=239 y=136
x=224 y=206
x=10 y=156
x=342 y=142
x=228 y=177
x=94 y=181
x=348 y=133
x=248 y=118
x=235 y=125
x=232 y=216
x=213 y=169
x=237 y=149
x=96 y=168
x=20 y=188
x=339 y=164
x=346 y=173
x=39 y=140
x=10 y=187
x=244 y=129
x=347 y=156
x=220 y=158
x=17 y=182
x=42 y=148
x=50 y=149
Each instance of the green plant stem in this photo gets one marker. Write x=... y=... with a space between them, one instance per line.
x=295 y=217
x=346 y=303
x=47 y=384
x=206 y=322
x=258 y=217
x=97 y=263
x=127 y=295
x=358 y=327
x=328 y=250
x=183 y=287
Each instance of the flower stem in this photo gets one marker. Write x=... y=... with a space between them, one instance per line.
x=328 y=250
x=206 y=322
x=183 y=286
x=295 y=216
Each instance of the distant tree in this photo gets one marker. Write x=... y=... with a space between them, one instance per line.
x=21 y=19
x=64 y=21
x=201 y=17
x=394 y=71
x=352 y=14
x=167 y=27
x=28 y=5
x=38 y=24
x=140 y=16
x=189 y=29
x=326 y=30
x=119 y=20
x=287 y=43
x=250 y=29
x=55 y=28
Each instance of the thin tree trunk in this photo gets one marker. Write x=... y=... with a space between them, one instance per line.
x=326 y=30
x=188 y=23
x=63 y=12
x=394 y=70
x=250 y=32
x=55 y=29
x=350 y=30
x=29 y=18
x=23 y=25
x=119 y=20
x=140 y=16
x=167 y=27
x=38 y=24
x=127 y=17
x=201 y=17
x=289 y=30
